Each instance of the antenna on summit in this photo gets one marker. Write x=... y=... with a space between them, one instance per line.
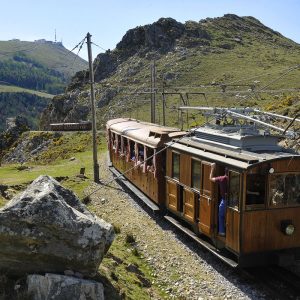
x=55 y=35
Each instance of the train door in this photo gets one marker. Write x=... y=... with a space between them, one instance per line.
x=233 y=211
x=206 y=207
x=173 y=187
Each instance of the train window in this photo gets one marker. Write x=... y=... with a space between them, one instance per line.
x=196 y=174
x=256 y=189
x=113 y=137
x=284 y=189
x=150 y=161
x=175 y=165
x=234 y=190
x=206 y=183
x=125 y=145
x=131 y=150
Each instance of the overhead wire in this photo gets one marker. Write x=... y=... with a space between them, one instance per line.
x=148 y=158
x=79 y=46
x=99 y=46
x=274 y=80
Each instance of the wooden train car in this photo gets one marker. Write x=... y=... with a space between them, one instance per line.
x=131 y=143
x=262 y=185
x=80 y=126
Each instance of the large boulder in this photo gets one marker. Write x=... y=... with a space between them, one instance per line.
x=60 y=287
x=48 y=229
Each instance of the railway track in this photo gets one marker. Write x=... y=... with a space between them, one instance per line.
x=278 y=282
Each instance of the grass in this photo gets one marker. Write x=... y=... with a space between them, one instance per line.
x=55 y=161
x=123 y=271
x=2 y=201
x=16 y=89
x=129 y=273
x=10 y=175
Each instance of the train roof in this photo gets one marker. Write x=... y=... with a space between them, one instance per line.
x=151 y=135
x=243 y=148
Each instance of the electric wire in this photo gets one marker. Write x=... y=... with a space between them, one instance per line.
x=79 y=49
x=274 y=80
x=99 y=46
x=148 y=158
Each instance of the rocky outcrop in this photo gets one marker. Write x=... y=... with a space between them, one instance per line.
x=15 y=128
x=60 y=287
x=64 y=108
x=48 y=229
x=128 y=64
x=160 y=35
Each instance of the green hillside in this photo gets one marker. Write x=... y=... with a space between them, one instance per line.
x=16 y=89
x=40 y=65
x=29 y=105
x=30 y=74
x=233 y=60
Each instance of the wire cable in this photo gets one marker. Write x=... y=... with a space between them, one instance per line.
x=79 y=49
x=148 y=158
x=99 y=46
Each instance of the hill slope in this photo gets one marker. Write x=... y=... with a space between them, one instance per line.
x=39 y=65
x=30 y=73
x=230 y=53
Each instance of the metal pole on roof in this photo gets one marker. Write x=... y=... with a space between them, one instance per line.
x=164 y=104
x=260 y=122
x=94 y=126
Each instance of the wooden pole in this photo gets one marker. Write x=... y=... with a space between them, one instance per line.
x=151 y=91
x=94 y=127
x=154 y=92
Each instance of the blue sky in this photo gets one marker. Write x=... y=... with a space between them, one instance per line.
x=109 y=20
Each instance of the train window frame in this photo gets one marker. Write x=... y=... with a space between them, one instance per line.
x=254 y=206
x=194 y=187
x=269 y=195
x=206 y=190
x=173 y=175
x=235 y=205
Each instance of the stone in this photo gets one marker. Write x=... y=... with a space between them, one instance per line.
x=61 y=287
x=47 y=229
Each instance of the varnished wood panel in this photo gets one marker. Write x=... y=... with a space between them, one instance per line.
x=262 y=230
x=172 y=196
x=206 y=202
x=169 y=163
x=233 y=229
x=275 y=239
x=254 y=231
x=286 y=165
x=189 y=204
x=185 y=169
x=205 y=215
x=206 y=183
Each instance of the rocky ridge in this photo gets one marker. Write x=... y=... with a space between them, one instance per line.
x=177 y=49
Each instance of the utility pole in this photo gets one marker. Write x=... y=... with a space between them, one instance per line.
x=94 y=128
x=153 y=92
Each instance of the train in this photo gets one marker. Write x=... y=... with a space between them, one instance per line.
x=177 y=174
x=79 y=126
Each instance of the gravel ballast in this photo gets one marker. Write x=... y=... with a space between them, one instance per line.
x=182 y=268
